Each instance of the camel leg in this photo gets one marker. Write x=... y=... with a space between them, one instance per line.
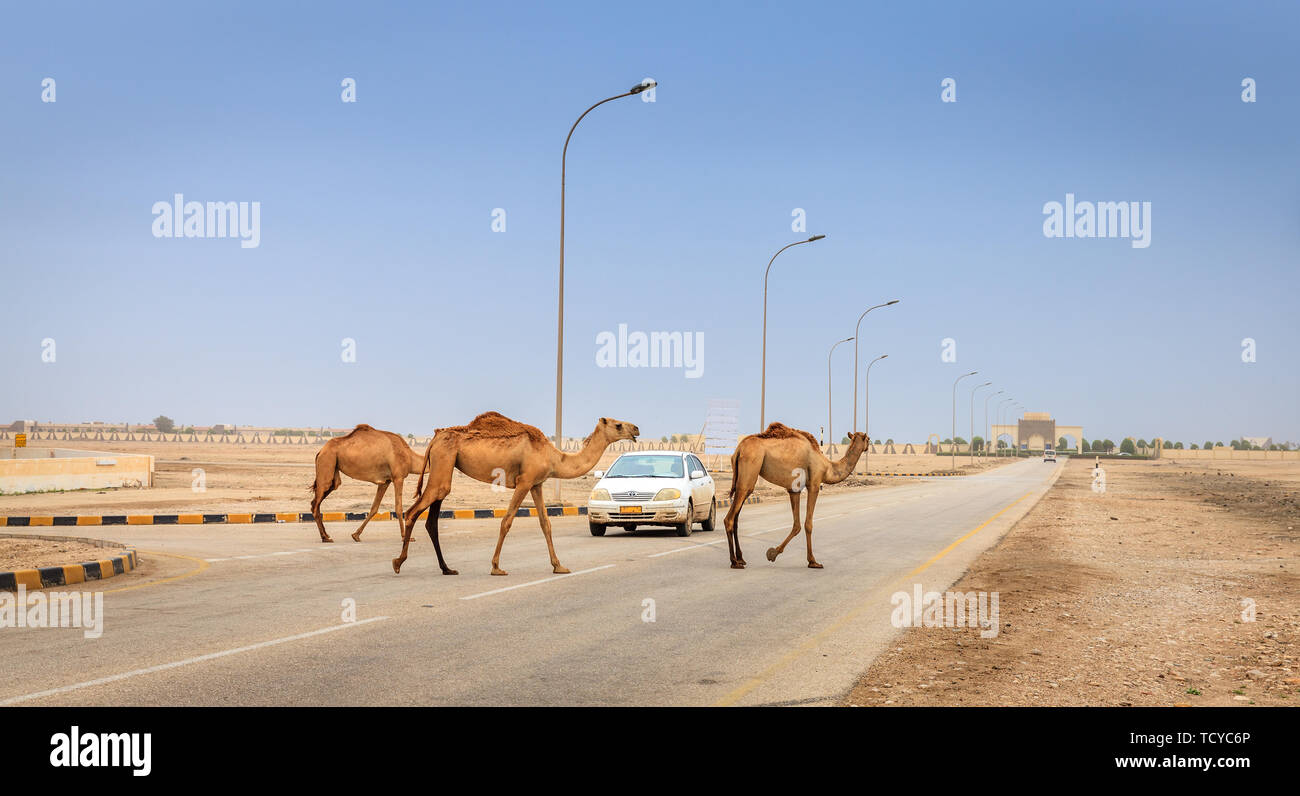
x=540 y=503
x=431 y=525
x=521 y=489
x=813 y=489
x=374 y=509
x=325 y=483
x=744 y=485
x=773 y=552
x=438 y=488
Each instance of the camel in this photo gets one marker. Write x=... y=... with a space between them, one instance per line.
x=497 y=450
x=788 y=458
x=366 y=454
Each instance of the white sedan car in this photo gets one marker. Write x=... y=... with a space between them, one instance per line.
x=653 y=488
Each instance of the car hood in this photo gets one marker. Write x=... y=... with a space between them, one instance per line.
x=650 y=486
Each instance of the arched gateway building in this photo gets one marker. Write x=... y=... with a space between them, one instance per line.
x=1037 y=430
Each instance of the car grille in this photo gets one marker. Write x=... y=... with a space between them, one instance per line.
x=632 y=496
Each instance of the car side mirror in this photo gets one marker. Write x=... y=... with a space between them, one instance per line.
x=697 y=473
x=599 y=474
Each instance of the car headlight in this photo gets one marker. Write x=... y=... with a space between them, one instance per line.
x=668 y=494
x=600 y=494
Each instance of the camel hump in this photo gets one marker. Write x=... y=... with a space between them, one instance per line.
x=776 y=430
x=497 y=425
x=364 y=427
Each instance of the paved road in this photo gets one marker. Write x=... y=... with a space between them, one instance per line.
x=261 y=622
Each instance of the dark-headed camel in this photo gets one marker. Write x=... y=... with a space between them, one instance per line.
x=366 y=454
x=792 y=460
x=497 y=450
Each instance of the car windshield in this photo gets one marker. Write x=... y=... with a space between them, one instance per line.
x=646 y=467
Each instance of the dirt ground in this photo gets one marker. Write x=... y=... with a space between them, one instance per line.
x=271 y=478
x=35 y=553
x=1138 y=596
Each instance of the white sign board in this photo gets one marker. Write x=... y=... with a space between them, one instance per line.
x=722 y=426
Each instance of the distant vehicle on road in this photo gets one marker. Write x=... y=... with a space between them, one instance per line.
x=1049 y=455
x=669 y=488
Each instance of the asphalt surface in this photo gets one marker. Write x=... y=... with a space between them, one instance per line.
x=254 y=615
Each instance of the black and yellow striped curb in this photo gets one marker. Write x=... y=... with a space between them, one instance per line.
x=33 y=521
x=289 y=516
x=68 y=574
x=726 y=502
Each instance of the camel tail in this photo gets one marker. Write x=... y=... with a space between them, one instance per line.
x=424 y=466
x=735 y=458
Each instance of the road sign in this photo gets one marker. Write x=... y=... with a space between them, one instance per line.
x=20 y=440
x=722 y=427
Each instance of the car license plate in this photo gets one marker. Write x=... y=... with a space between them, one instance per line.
x=629 y=509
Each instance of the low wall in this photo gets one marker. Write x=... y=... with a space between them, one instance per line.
x=1229 y=453
x=62 y=469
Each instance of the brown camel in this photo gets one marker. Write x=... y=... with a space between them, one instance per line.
x=791 y=459
x=366 y=454
x=497 y=450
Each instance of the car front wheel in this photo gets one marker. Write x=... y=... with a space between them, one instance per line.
x=596 y=530
x=684 y=529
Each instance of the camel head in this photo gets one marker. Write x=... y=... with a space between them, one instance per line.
x=611 y=430
x=859 y=438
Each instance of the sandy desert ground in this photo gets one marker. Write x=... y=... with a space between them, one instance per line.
x=1132 y=597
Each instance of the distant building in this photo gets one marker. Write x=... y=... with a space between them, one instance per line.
x=1260 y=442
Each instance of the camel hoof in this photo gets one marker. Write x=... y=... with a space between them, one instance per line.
x=737 y=565
x=326 y=540
x=499 y=571
x=560 y=570
x=772 y=553
x=397 y=565
x=450 y=572
x=356 y=537
x=815 y=565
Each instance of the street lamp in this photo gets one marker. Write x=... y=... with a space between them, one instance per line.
x=857 y=332
x=866 y=416
x=954 y=416
x=988 y=430
x=830 y=429
x=559 y=338
x=762 y=401
x=972 y=418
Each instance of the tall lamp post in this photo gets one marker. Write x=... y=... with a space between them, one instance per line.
x=972 y=418
x=988 y=430
x=856 y=333
x=866 y=414
x=559 y=341
x=954 y=416
x=830 y=429
x=762 y=401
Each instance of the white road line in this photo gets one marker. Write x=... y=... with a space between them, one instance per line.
x=687 y=547
x=176 y=664
x=215 y=560
x=533 y=583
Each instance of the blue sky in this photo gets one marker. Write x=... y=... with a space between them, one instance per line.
x=376 y=215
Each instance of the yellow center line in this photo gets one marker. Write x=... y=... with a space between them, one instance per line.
x=757 y=680
x=202 y=565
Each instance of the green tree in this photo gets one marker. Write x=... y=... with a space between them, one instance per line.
x=978 y=442
x=1208 y=445
x=1178 y=446
x=845 y=441
x=1168 y=445
x=164 y=424
x=1127 y=446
